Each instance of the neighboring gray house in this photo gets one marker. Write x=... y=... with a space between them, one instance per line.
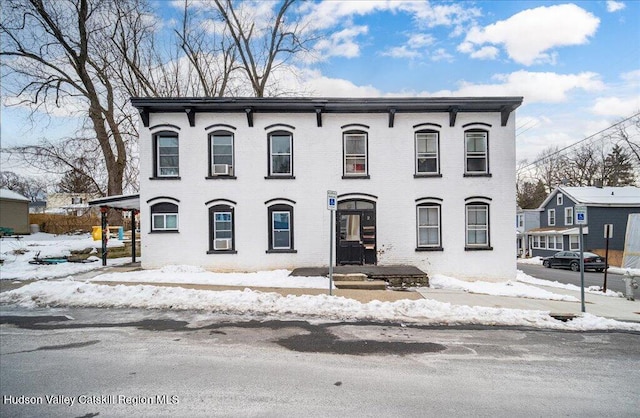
x=14 y=211
x=526 y=220
x=605 y=205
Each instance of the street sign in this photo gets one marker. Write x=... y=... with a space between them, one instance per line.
x=581 y=215
x=332 y=199
x=608 y=230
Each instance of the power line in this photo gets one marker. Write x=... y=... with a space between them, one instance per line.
x=581 y=141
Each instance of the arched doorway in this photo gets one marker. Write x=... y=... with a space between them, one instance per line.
x=356 y=232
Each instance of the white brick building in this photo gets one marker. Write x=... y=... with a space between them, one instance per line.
x=241 y=183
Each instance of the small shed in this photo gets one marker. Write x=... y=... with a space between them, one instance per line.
x=14 y=211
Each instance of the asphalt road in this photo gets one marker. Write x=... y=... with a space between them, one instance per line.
x=614 y=281
x=93 y=362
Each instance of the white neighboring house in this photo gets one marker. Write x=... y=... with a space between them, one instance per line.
x=240 y=184
x=69 y=203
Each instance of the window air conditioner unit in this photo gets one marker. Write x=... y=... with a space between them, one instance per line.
x=221 y=169
x=222 y=244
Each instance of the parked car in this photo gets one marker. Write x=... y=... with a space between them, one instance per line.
x=571 y=259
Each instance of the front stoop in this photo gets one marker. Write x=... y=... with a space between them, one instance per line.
x=357 y=281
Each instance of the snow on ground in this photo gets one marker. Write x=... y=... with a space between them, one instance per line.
x=17 y=254
x=532 y=260
x=75 y=293
x=272 y=305
x=525 y=278
x=510 y=288
x=196 y=275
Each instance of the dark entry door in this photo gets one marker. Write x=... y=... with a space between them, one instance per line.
x=356 y=232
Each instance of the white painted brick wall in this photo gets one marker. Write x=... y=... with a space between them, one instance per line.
x=318 y=167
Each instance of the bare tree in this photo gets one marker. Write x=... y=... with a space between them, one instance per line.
x=30 y=187
x=263 y=46
x=57 y=54
x=550 y=166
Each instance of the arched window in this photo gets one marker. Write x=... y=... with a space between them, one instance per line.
x=164 y=217
x=477 y=221
x=427 y=146
x=280 y=228
x=166 y=162
x=221 y=229
x=221 y=154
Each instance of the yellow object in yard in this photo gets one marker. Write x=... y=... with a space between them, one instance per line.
x=96 y=233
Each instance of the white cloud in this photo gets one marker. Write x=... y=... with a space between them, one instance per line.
x=614 y=6
x=341 y=43
x=616 y=106
x=528 y=36
x=419 y=40
x=486 y=52
x=441 y=54
x=534 y=86
x=401 y=52
x=413 y=48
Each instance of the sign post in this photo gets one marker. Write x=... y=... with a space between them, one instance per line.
x=581 y=220
x=608 y=233
x=332 y=204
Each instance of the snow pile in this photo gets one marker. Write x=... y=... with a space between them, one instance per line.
x=510 y=288
x=196 y=275
x=533 y=260
x=17 y=254
x=525 y=278
x=249 y=302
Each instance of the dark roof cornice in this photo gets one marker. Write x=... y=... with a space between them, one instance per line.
x=319 y=105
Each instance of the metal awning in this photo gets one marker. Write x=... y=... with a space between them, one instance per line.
x=125 y=202
x=129 y=202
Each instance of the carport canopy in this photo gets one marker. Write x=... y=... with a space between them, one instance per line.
x=120 y=202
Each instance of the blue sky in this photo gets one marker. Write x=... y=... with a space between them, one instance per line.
x=577 y=64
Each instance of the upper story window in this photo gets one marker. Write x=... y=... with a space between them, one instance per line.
x=477 y=226
x=476 y=152
x=429 y=233
x=427 y=153
x=164 y=217
x=568 y=216
x=560 y=199
x=166 y=154
x=221 y=154
x=355 y=154
x=281 y=154
x=520 y=220
x=551 y=217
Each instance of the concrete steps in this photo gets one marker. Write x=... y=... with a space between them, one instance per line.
x=357 y=281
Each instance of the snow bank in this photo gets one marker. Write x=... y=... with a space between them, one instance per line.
x=196 y=275
x=525 y=278
x=248 y=302
x=510 y=288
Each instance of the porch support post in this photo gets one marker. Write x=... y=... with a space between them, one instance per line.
x=105 y=233
x=133 y=235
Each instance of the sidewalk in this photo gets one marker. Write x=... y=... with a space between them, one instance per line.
x=604 y=306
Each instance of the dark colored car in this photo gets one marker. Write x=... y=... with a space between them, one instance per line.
x=571 y=260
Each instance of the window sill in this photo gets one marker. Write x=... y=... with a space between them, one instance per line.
x=158 y=231
x=478 y=248
x=165 y=178
x=477 y=175
x=356 y=177
x=281 y=251
x=222 y=252
x=429 y=249
x=426 y=175
x=220 y=177
x=272 y=177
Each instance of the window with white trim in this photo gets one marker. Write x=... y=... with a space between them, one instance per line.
x=427 y=152
x=280 y=154
x=551 y=217
x=166 y=152
x=476 y=150
x=560 y=199
x=221 y=229
x=568 y=216
x=574 y=242
x=221 y=154
x=355 y=154
x=164 y=217
x=280 y=228
x=428 y=233
x=477 y=225
x=555 y=242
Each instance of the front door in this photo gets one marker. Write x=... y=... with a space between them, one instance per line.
x=356 y=233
